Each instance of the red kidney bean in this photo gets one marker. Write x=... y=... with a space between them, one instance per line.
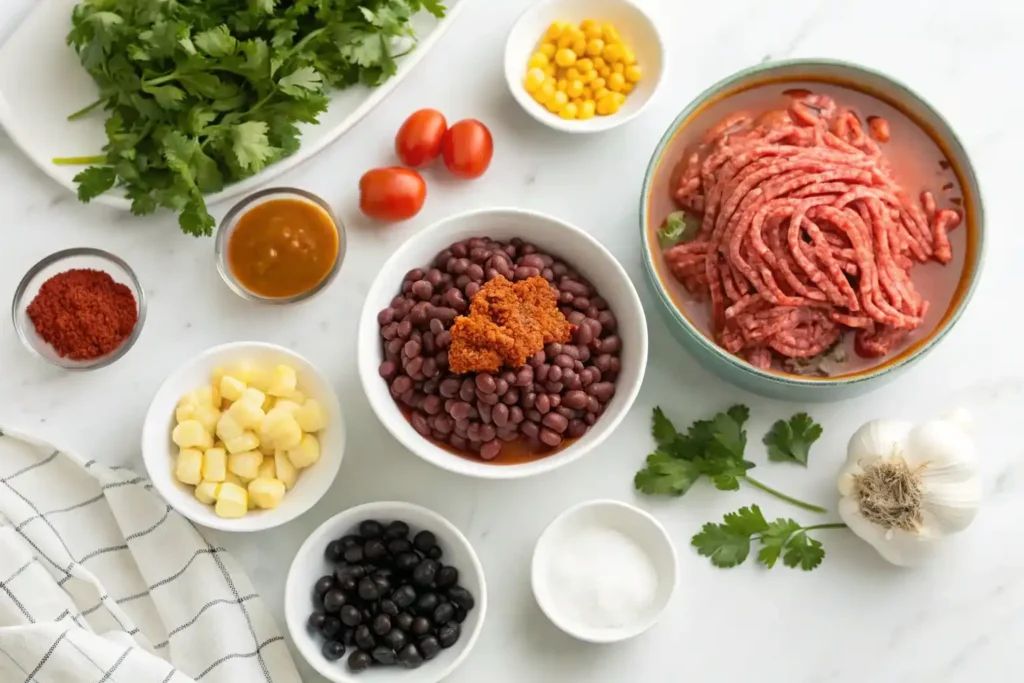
x=581 y=303
x=455 y=299
x=462 y=281
x=459 y=250
x=553 y=387
x=508 y=434
x=584 y=335
x=462 y=426
x=501 y=386
x=386 y=316
x=520 y=273
x=436 y=326
x=569 y=376
x=422 y=290
x=490 y=450
x=443 y=340
x=516 y=415
x=499 y=415
x=550 y=437
x=511 y=397
x=406 y=397
x=485 y=383
x=530 y=429
x=475 y=272
x=404 y=329
x=444 y=314
x=607 y=320
x=563 y=360
x=389 y=331
x=603 y=362
x=459 y=266
x=395 y=346
x=411 y=349
x=490 y=274
x=555 y=421
x=524 y=376
x=536 y=359
x=460 y=410
x=449 y=387
x=485 y=412
x=434 y=277
x=448 y=403
x=388 y=369
x=429 y=368
x=489 y=399
x=576 y=399
x=432 y=405
x=509 y=377
x=568 y=413
x=555 y=399
x=419 y=314
x=473 y=242
x=527 y=399
x=565 y=298
x=473 y=432
x=531 y=261
x=615 y=366
x=542 y=403
x=552 y=350
x=610 y=344
x=487 y=432
x=541 y=373
x=577 y=428
x=590 y=419
x=443 y=423
x=567 y=284
x=467 y=390
x=471 y=289
x=419 y=423
x=430 y=386
x=554 y=374
x=479 y=254
x=533 y=415
x=414 y=368
x=584 y=357
x=458 y=442
x=415 y=274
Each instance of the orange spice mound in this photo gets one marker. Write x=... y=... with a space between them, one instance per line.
x=506 y=325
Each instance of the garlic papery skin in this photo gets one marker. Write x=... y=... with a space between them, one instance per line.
x=905 y=488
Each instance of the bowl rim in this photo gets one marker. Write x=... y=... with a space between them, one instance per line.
x=596 y=124
x=292 y=590
x=369 y=377
x=622 y=509
x=719 y=354
x=57 y=257
x=268 y=519
x=226 y=227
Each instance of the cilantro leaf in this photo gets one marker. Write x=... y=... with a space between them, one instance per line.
x=301 y=82
x=216 y=42
x=747 y=521
x=662 y=429
x=774 y=538
x=94 y=181
x=791 y=441
x=666 y=475
x=728 y=544
x=167 y=96
x=679 y=227
x=804 y=552
x=250 y=144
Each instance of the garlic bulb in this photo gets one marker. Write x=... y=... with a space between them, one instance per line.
x=905 y=488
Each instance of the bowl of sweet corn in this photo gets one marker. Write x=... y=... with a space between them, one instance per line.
x=244 y=437
x=584 y=66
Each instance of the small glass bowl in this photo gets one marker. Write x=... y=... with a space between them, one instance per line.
x=59 y=262
x=230 y=222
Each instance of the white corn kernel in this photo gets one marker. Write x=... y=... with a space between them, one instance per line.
x=191 y=434
x=207 y=416
x=189 y=467
x=282 y=429
x=298 y=397
x=232 y=501
x=311 y=416
x=282 y=381
x=284 y=469
x=253 y=397
x=246 y=464
x=206 y=492
x=286 y=405
x=246 y=442
x=266 y=493
x=267 y=469
x=245 y=414
x=185 y=412
x=306 y=453
x=215 y=464
x=231 y=388
x=208 y=395
x=228 y=428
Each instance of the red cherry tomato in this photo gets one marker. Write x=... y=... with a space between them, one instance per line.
x=391 y=194
x=468 y=148
x=419 y=139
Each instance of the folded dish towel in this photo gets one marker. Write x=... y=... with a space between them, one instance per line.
x=101 y=582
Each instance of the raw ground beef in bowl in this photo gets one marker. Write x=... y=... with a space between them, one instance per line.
x=486 y=352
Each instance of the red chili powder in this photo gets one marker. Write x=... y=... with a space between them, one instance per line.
x=83 y=314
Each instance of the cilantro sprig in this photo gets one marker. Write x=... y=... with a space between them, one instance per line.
x=791 y=441
x=710 y=448
x=203 y=94
x=728 y=544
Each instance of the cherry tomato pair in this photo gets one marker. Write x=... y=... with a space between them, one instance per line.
x=395 y=194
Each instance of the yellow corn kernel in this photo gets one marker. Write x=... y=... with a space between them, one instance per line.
x=607 y=105
x=215 y=464
x=231 y=388
x=228 y=428
x=628 y=56
x=616 y=82
x=586 y=23
x=572 y=73
x=613 y=54
x=590 y=76
x=206 y=492
x=555 y=30
x=556 y=103
x=189 y=467
x=545 y=92
x=305 y=453
x=565 y=58
x=246 y=442
x=587 y=109
x=562 y=85
x=192 y=434
x=604 y=71
x=287 y=405
x=534 y=79
x=266 y=493
x=575 y=89
x=246 y=464
x=550 y=70
x=587 y=94
x=579 y=46
x=598 y=83
x=620 y=98
x=245 y=414
x=284 y=469
x=599 y=63
x=594 y=31
x=601 y=93
x=232 y=501
x=633 y=73
x=569 y=111
x=538 y=59
x=610 y=33
x=619 y=68
x=565 y=40
x=311 y=416
x=548 y=50
x=584 y=65
x=627 y=89
x=253 y=397
x=267 y=470
x=595 y=48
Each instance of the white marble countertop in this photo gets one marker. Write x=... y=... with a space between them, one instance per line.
x=855 y=618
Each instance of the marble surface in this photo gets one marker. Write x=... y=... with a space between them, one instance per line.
x=855 y=618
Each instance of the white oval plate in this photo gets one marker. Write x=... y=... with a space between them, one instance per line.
x=42 y=81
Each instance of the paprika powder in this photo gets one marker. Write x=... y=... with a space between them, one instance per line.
x=83 y=313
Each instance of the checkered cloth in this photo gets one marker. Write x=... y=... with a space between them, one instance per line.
x=101 y=582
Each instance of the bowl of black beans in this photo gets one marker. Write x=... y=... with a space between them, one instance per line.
x=385 y=591
x=502 y=343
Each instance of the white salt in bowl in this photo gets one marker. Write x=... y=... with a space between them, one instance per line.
x=636 y=525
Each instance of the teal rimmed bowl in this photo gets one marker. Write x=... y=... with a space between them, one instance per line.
x=949 y=288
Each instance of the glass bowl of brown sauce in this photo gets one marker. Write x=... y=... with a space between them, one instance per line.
x=280 y=246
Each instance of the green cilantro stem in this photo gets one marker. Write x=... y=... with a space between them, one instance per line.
x=788 y=499
x=86 y=109
x=80 y=161
x=832 y=525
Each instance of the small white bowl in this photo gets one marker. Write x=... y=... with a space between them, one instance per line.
x=310 y=564
x=159 y=452
x=556 y=237
x=632 y=523
x=639 y=31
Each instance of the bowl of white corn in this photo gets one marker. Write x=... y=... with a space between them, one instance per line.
x=245 y=436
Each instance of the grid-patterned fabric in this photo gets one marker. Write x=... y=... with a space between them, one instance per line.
x=101 y=582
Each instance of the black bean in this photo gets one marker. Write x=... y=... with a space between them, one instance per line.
x=443 y=612
x=446 y=577
x=403 y=621
x=404 y=596
x=396 y=639
x=448 y=634
x=382 y=654
x=322 y=585
x=389 y=607
x=334 y=551
x=428 y=647
x=461 y=597
x=334 y=600
x=460 y=615
x=426 y=603
x=420 y=626
x=381 y=624
x=359 y=661
x=316 y=619
x=364 y=638
x=374 y=550
x=351 y=616
x=424 y=540
x=353 y=554
x=423 y=574
x=410 y=657
x=397 y=546
x=435 y=553
x=333 y=650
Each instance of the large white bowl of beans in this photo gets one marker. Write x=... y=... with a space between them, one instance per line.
x=517 y=421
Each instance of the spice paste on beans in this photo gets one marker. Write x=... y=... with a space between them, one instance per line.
x=511 y=414
x=802 y=232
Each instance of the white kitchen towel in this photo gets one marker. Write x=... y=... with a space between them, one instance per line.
x=101 y=582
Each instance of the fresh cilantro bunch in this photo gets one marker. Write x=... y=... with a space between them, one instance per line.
x=790 y=441
x=203 y=93
x=709 y=448
x=728 y=544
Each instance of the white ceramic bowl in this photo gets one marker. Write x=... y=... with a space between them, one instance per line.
x=556 y=237
x=309 y=565
x=159 y=452
x=638 y=30
x=629 y=521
